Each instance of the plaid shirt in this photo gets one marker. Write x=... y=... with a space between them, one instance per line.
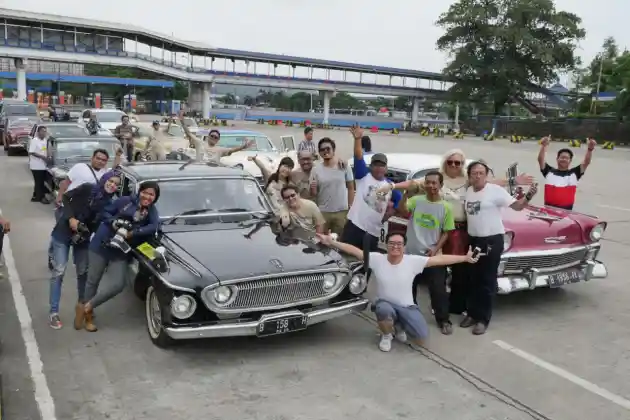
x=309 y=146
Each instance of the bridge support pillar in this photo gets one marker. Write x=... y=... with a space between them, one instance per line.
x=20 y=76
x=327 y=97
x=456 y=122
x=415 y=111
x=206 y=104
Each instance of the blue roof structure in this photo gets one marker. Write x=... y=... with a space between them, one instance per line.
x=100 y=80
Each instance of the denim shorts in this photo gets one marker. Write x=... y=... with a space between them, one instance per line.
x=409 y=317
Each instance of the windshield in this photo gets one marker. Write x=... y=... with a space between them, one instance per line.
x=217 y=194
x=25 y=123
x=67 y=131
x=21 y=109
x=189 y=122
x=83 y=149
x=109 y=116
x=262 y=143
x=176 y=131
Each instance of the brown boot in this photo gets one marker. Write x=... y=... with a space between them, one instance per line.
x=89 y=321
x=79 y=316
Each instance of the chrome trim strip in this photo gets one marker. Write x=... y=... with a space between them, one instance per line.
x=153 y=271
x=549 y=252
x=264 y=276
x=233 y=328
x=547 y=270
x=316 y=301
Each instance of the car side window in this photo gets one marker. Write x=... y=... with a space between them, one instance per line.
x=422 y=173
x=128 y=186
x=50 y=148
x=33 y=131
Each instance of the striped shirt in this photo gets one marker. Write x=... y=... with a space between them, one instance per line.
x=307 y=145
x=561 y=186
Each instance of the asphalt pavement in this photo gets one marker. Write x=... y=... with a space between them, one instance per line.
x=559 y=354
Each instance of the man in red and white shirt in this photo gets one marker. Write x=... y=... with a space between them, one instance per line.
x=561 y=182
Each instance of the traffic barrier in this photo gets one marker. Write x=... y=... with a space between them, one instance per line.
x=224 y=123
x=608 y=145
x=488 y=137
x=260 y=121
x=516 y=139
x=302 y=124
x=575 y=143
x=288 y=123
x=459 y=135
x=374 y=129
x=395 y=131
x=272 y=122
x=439 y=133
x=424 y=132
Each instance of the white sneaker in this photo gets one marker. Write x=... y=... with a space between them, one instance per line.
x=386 y=342
x=400 y=334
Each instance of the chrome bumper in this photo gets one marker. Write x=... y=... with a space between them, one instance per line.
x=233 y=328
x=534 y=278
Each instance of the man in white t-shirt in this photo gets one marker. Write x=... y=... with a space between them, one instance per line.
x=38 y=158
x=369 y=208
x=394 y=274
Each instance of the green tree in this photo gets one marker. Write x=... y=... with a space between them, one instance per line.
x=249 y=100
x=280 y=101
x=301 y=102
x=499 y=47
x=228 y=99
x=343 y=100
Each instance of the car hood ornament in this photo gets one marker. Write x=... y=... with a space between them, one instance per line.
x=277 y=263
x=555 y=239
x=543 y=216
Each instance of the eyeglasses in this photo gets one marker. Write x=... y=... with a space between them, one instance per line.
x=325 y=149
x=454 y=163
x=214 y=137
x=288 y=197
x=396 y=244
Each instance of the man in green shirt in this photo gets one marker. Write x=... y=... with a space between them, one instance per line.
x=430 y=221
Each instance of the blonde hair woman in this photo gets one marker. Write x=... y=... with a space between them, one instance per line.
x=453 y=168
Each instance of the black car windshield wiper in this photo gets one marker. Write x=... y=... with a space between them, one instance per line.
x=186 y=213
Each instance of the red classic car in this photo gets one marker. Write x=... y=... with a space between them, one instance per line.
x=544 y=246
x=17 y=133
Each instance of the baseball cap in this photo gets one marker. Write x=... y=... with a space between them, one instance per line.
x=379 y=157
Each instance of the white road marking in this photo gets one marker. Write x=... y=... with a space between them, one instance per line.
x=583 y=383
x=45 y=402
x=613 y=207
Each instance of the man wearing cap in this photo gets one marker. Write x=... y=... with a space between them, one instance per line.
x=369 y=210
x=155 y=146
x=308 y=144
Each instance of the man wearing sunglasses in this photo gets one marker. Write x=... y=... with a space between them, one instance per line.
x=300 y=213
x=396 y=312
x=210 y=150
x=332 y=186
x=369 y=210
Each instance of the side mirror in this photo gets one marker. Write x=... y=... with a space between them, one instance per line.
x=288 y=143
x=511 y=175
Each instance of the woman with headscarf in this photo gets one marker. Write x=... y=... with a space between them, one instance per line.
x=79 y=218
x=453 y=169
x=141 y=212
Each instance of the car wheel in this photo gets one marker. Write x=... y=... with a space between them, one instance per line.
x=154 y=320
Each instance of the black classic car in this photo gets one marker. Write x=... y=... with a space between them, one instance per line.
x=221 y=266
x=63 y=153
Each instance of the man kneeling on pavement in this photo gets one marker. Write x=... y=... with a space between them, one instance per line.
x=394 y=273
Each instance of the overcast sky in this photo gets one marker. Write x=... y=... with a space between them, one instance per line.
x=395 y=33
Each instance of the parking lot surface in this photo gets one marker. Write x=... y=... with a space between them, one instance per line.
x=558 y=354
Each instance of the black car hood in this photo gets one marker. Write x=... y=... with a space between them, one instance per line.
x=227 y=251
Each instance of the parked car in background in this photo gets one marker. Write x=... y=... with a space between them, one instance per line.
x=64 y=153
x=16 y=138
x=543 y=246
x=12 y=110
x=194 y=279
x=263 y=148
x=68 y=113
x=108 y=118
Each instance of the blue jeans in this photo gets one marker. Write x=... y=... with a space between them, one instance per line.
x=61 y=255
x=58 y=214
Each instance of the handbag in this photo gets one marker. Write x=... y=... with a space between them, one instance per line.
x=457 y=242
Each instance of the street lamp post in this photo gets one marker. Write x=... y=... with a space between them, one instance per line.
x=599 y=83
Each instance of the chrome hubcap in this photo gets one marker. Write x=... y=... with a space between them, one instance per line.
x=154 y=314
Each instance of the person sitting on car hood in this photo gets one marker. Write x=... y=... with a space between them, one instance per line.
x=93 y=126
x=140 y=210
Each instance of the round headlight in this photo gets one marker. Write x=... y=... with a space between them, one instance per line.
x=222 y=294
x=357 y=284
x=507 y=240
x=183 y=306
x=597 y=232
x=330 y=280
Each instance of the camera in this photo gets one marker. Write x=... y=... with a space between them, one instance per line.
x=119 y=241
x=81 y=235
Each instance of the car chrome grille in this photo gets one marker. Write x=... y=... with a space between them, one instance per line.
x=277 y=291
x=542 y=262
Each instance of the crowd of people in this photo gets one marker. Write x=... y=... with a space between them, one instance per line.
x=454 y=221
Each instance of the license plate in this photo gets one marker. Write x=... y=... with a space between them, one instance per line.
x=564 y=277
x=282 y=325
